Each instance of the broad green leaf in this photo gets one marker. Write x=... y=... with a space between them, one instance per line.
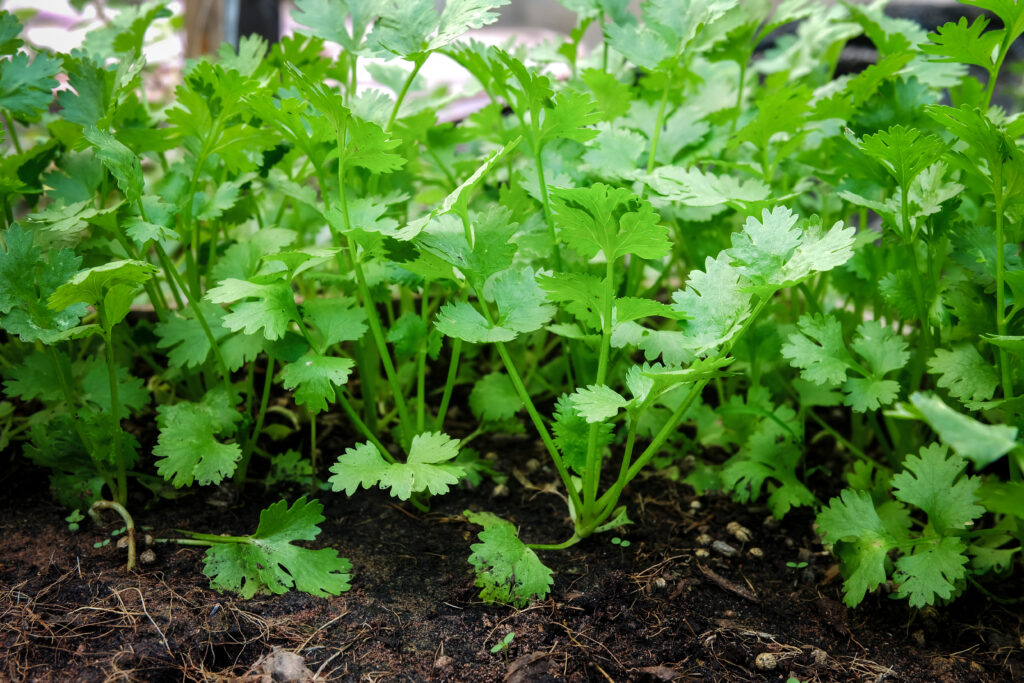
x=931 y=481
x=122 y=163
x=932 y=572
x=964 y=373
x=183 y=334
x=615 y=153
x=188 y=450
x=507 y=571
x=852 y=519
x=269 y=562
x=430 y=467
x=344 y=22
x=981 y=443
x=693 y=187
x=27 y=84
x=461 y=320
x=35 y=378
x=90 y=285
x=271 y=310
x=715 y=304
x=598 y=402
x=314 y=378
x=904 y=152
x=494 y=398
x=967 y=44
x=612 y=220
x=131 y=392
x=361 y=465
x=776 y=252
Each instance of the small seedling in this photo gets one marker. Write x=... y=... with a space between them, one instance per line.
x=796 y=565
x=73 y=519
x=503 y=644
x=621 y=542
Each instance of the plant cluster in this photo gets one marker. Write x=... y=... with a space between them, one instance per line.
x=697 y=237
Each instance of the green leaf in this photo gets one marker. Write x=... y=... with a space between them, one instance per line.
x=981 y=443
x=612 y=220
x=272 y=310
x=964 y=373
x=571 y=433
x=693 y=187
x=904 y=152
x=461 y=321
x=615 y=153
x=187 y=450
x=582 y=295
x=774 y=252
x=507 y=571
x=429 y=467
x=35 y=378
x=131 y=391
x=122 y=163
x=494 y=398
x=90 y=285
x=26 y=86
x=852 y=519
x=714 y=302
x=932 y=572
x=597 y=403
x=413 y=28
x=522 y=306
x=932 y=482
x=268 y=561
x=338 y=319
x=569 y=117
x=183 y=334
x=314 y=379
x=967 y=44
x=344 y=22
x=1011 y=12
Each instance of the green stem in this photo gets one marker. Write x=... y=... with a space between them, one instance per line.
x=12 y=132
x=417 y=64
x=1006 y=377
x=243 y=464
x=129 y=524
x=121 y=495
x=449 y=384
x=592 y=475
x=571 y=541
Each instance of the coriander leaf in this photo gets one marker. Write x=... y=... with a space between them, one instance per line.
x=983 y=444
x=693 y=187
x=774 y=252
x=272 y=310
x=568 y=117
x=931 y=572
x=818 y=350
x=615 y=153
x=35 y=378
x=597 y=402
x=1011 y=12
x=964 y=373
x=314 y=378
x=187 y=449
x=967 y=44
x=26 y=86
x=904 y=152
x=493 y=398
x=338 y=319
x=122 y=163
x=132 y=395
x=183 y=334
x=715 y=304
x=571 y=432
x=931 y=481
x=344 y=22
x=870 y=393
x=612 y=220
x=428 y=468
x=883 y=349
x=269 y=561
x=358 y=466
x=507 y=571
x=583 y=296
x=369 y=147
x=851 y=518
x=461 y=321
x=521 y=303
x=90 y=285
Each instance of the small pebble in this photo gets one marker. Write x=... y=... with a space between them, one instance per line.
x=756 y=552
x=819 y=657
x=804 y=555
x=532 y=465
x=739 y=532
x=701 y=553
x=766 y=661
x=704 y=539
x=660 y=583
x=918 y=637
x=442 y=661
x=500 y=491
x=147 y=539
x=147 y=556
x=122 y=542
x=696 y=505
x=770 y=522
x=723 y=548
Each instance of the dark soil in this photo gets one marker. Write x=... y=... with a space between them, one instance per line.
x=664 y=608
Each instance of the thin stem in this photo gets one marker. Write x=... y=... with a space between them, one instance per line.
x=1006 y=377
x=129 y=524
x=449 y=384
x=361 y=426
x=12 y=132
x=571 y=541
x=121 y=495
x=592 y=475
x=243 y=465
x=417 y=64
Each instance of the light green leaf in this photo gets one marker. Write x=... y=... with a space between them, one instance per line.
x=507 y=571
x=187 y=449
x=494 y=398
x=598 y=402
x=932 y=482
x=314 y=378
x=964 y=373
x=983 y=444
x=90 y=285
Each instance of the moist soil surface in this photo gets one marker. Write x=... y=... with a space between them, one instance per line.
x=676 y=604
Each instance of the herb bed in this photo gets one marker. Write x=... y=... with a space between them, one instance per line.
x=744 y=272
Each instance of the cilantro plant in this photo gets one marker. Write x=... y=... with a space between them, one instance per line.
x=697 y=248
